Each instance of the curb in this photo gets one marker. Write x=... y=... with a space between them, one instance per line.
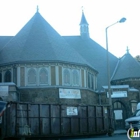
x=120 y=133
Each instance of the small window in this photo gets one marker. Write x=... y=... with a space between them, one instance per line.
x=133 y=105
x=75 y=77
x=7 y=76
x=90 y=81
x=66 y=77
x=43 y=76
x=31 y=76
x=115 y=105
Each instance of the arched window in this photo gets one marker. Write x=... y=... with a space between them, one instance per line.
x=0 y=77
x=90 y=81
x=117 y=105
x=66 y=76
x=75 y=77
x=7 y=76
x=31 y=76
x=43 y=76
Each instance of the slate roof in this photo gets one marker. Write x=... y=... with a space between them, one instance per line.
x=37 y=41
x=4 y=40
x=95 y=54
x=126 y=68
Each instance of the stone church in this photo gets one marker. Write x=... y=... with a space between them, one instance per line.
x=39 y=65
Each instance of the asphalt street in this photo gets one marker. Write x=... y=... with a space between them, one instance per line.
x=115 y=137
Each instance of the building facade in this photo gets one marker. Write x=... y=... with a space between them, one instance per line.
x=39 y=65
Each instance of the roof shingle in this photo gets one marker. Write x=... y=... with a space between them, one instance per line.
x=127 y=67
x=38 y=41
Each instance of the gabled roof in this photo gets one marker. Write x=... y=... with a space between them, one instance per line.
x=95 y=54
x=83 y=19
x=127 y=67
x=38 y=41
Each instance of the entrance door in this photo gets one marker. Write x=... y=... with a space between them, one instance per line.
x=119 y=115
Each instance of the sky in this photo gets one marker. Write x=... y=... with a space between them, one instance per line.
x=65 y=15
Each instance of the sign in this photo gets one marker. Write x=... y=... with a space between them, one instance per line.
x=118 y=114
x=69 y=93
x=118 y=94
x=131 y=133
x=72 y=111
x=105 y=109
x=3 y=90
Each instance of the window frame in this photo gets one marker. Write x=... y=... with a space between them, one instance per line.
x=46 y=69
x=63 y=76
x=77 y=83
x=35 y=76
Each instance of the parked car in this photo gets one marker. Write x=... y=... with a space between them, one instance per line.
x=134 y=121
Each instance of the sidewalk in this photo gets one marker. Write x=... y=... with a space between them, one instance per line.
x=118 y=132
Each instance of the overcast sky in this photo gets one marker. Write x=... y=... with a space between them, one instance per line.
x=65 y=16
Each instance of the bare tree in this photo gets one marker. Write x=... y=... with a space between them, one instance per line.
x=137 y=58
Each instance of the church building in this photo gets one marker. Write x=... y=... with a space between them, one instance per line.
x=39 y=65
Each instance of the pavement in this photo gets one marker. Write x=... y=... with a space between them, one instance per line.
x=118 y=132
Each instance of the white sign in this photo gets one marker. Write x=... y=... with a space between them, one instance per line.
x=118 y=114
x=3 y=90
x=105 y=109
x=118 y=94
x=72 y=111
x=69 y=93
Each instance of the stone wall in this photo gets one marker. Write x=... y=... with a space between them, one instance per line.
x=126 y=102
x=131 y=96
x=51 y=96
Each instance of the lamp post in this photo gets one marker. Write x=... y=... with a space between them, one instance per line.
x=108 y=74
x=108 y=64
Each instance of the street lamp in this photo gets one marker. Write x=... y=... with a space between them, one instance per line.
x=108 y=64
x=108 y=74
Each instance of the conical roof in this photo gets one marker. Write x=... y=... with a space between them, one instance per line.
x=83 y=19
x=38 y=41
x=127 y=67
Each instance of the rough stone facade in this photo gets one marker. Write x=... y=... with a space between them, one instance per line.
x=51 y=96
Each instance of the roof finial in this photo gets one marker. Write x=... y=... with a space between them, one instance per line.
x=82 y=9
x=127 y=50
x=37 y=9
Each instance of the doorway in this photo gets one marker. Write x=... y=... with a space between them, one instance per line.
x=119 y=115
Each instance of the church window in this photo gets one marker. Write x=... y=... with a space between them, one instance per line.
x=90 y=81
x=43 y=76
x=31 y=76
x=75 y=77
x=7 y=76
x=66 y=77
